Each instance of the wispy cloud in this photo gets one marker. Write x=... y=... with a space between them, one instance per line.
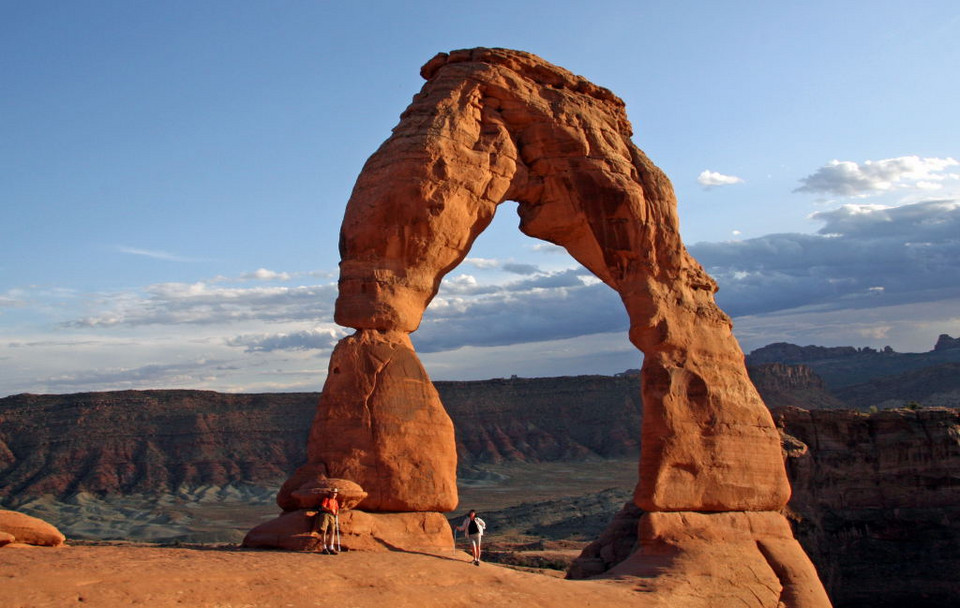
x=712 y=179
x=849 y=178
x=505 y=265
x=154 y=254
x=201 y=303
x=310 y=339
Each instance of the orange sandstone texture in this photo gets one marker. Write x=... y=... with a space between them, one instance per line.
x=21 y=528
x=309 y=486
x=359 y=531
x=380 y=423
x=722 y=559
x=492 y=125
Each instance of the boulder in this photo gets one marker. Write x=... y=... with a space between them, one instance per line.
x=308 y=486
x=359 y=531
x=29 y=530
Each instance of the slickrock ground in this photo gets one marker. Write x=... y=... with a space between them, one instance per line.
x=118 y=575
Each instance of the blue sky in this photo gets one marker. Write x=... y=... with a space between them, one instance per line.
x=173 y=175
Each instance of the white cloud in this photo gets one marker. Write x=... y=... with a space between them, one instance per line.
x=154 y=254
x=912 y=251
x=482 y=262
x=13 y=298
x=522 y=269
x=712 y=179
x=310 y=339
x=550 y=306
x=262 y=274
x=201 y=303
x=508 y=266
x=549 y=248
x=848 y=178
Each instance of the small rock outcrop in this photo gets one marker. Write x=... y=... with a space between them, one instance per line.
x=945 y=342
x=21 y=528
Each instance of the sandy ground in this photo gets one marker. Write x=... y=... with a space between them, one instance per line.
x=131 y=575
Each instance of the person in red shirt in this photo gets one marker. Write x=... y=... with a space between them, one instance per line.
x=325 y=521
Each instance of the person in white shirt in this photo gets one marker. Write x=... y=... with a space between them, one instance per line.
x=473 y=526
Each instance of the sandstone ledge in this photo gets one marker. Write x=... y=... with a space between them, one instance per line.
x=359 y=531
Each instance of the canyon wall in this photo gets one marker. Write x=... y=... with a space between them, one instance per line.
x=128 y=442
x=875 y=500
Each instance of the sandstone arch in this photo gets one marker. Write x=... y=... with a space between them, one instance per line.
x=492 y=125
x=495 y=125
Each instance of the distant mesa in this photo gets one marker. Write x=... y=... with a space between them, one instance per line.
x=945 y=342
x=842 y=367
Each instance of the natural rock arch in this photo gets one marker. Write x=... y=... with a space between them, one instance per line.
x=492 y=125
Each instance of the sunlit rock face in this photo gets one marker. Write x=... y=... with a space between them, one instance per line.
x=492 y=125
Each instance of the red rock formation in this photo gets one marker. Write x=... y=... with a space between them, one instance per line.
x=492 y=125
x=21 y=528
x=380 y=423
x=308 y=486
x=359 y=531
x=723 y=559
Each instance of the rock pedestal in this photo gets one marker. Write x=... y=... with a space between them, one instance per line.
x=380 y=423
x=722 y=559
x=492 y=125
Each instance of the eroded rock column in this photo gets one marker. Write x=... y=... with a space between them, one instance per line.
x=380 y=422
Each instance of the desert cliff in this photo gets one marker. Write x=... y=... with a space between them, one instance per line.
x=874 y=501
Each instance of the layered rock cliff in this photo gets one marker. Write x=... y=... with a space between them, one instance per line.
x=148 y=441
x=844 y=366
x=130 y=442
x=535 y=419
x=876 y=505
x=876 y=502
x=783 y=385
x=875 y=498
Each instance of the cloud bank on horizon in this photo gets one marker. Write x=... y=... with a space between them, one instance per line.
x=870 y=264
x=173 y=176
